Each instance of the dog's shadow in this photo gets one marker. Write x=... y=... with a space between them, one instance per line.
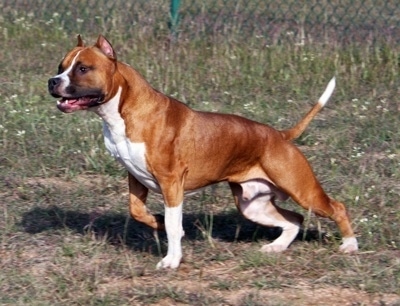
x=120 y=230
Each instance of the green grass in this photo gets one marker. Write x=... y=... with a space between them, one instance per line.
x=65 y=234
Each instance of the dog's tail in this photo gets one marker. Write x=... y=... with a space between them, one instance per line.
x=299 y=128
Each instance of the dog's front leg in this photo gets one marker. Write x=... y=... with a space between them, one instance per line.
x=173 y=227
x=137 y=207
x=173 y=197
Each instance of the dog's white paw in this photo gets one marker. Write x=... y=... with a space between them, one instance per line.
x=349 y=245
x=169 y=261
x=273 y=248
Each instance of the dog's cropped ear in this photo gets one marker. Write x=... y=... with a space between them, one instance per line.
x=104 y=45
x=80 y=41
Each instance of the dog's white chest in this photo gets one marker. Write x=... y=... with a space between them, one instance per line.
x=132 y=156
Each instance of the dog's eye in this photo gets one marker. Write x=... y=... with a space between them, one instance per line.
x=83 y=69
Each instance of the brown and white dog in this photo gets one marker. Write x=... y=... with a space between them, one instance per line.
x=174 y=150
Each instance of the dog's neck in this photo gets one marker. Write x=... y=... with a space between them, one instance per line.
x=109 y=111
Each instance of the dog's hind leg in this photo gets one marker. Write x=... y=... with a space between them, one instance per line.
x=297 y=179
x=261 y=209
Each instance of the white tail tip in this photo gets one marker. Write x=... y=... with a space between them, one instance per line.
x=328 y=92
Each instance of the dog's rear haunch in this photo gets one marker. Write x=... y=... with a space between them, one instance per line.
x=171 y=149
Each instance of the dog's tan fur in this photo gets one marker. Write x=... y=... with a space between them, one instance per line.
x=185 y=150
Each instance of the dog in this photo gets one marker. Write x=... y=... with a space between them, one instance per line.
x=171 y=149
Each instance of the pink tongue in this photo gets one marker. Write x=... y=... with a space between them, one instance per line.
x=84 y=100
x=77 y=101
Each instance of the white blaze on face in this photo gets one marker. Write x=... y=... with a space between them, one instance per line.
x=64 y=76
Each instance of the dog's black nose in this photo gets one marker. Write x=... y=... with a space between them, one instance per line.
x=52 y=84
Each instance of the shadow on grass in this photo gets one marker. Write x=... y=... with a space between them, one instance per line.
x=119 y=229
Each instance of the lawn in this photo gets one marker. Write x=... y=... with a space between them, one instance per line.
x=66 y=237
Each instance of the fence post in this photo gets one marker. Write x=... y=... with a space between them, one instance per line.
x=174 y=18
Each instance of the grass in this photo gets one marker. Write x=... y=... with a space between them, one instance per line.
x=65 y=234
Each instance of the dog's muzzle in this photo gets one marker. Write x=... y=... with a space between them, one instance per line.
x=52 y=85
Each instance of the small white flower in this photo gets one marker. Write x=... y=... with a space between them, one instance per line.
x=20 y=133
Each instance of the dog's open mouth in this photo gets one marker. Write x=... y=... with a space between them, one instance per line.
x=68 y=105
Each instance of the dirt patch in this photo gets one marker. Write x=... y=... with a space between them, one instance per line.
x=304 y=295
x=81 y=181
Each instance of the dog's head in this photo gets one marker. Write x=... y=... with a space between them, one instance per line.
x=84 y=78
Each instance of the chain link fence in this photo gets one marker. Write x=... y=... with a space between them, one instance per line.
x=312 y=21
